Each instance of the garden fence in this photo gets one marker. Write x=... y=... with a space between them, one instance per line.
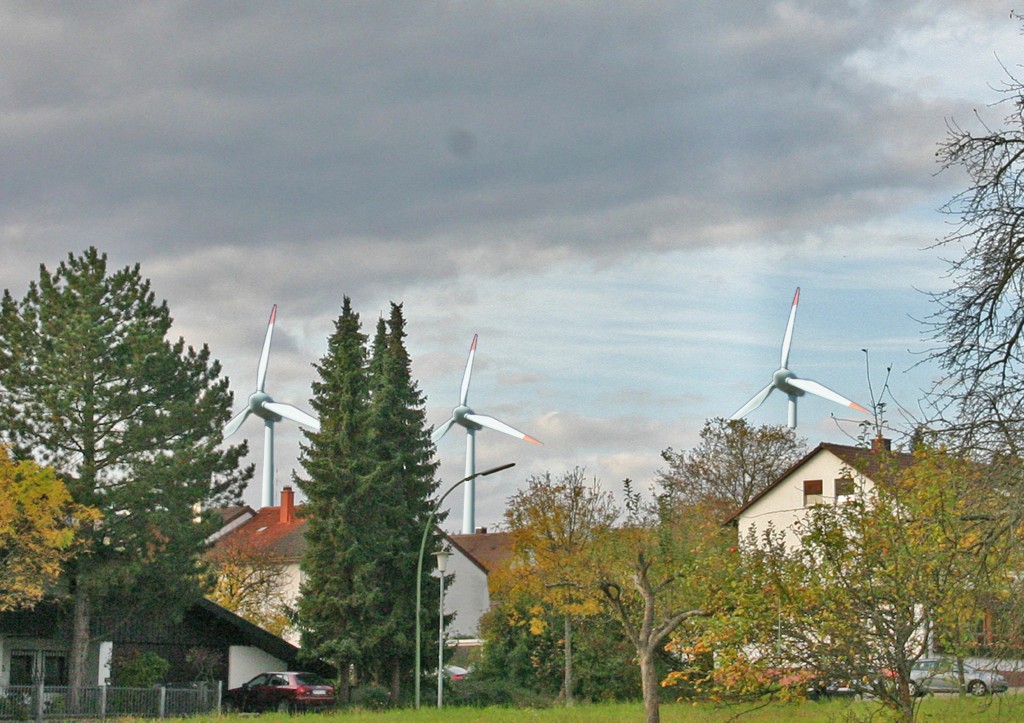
x=37 y=702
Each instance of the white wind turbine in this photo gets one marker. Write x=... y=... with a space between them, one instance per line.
x=270 y=412
x=790 y=384
x=466 y=417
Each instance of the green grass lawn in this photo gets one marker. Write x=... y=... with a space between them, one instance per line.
x=1003 y=707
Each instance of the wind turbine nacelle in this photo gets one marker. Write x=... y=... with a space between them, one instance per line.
x=459 y=415
x=257 y=405
x=781 y=378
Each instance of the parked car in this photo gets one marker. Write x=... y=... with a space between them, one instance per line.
x=284 y=692
x=827 y=688
x=455 y=672
x=940 y=675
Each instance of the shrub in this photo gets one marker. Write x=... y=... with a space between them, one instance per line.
x=371 y=697
x=483 y=693
x=138 y=669
x=16 y=705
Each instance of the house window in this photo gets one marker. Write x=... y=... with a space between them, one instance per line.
x=54 y=667
x=844 y=489
x=812 y=492
x=21 y=667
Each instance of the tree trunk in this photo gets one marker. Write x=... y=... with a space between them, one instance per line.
x=960 y=677
x=79 y=644
x=906 y=709
x=567 y=682
x=649 y=682
x=396 y=681
x=343 y=686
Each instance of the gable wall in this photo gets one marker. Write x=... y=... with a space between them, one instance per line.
x=245 y=662
x=783 y=505
x=466 y=596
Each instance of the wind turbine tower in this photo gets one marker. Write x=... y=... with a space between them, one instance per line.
x=472 y=422
x=270 y=412
x=790 y=384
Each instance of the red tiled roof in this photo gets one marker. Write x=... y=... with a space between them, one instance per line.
x=864 y=460
x=230 y=514
x=490 y=549
x=867 y=461
x=266 y=532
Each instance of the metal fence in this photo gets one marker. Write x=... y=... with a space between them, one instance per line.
x=36 y=702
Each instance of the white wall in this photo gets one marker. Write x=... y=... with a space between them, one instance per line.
x=783 y=505
x=105 y=660
x=291 y=583
x=246 y=662
x=467 y=596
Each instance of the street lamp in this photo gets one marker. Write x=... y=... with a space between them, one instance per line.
x=442 y=565
x=419 y=563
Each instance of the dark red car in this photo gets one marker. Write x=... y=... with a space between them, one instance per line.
x=284 y=692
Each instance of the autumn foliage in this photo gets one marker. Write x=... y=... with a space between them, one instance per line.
x=38 y=522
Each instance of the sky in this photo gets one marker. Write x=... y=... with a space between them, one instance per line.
x=619 y=198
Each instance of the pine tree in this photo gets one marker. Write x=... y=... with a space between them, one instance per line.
x=91 y=386
x=337 y=587
x=403 y=478
x=370 y=476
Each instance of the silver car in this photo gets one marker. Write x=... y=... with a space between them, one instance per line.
x=941 y=676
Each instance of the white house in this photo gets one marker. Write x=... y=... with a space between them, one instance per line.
x=475 y=556
x=828 y=474
x=280 y=531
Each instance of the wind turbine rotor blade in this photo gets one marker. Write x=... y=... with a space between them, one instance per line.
x=436 y=435
x=261 y=372
x=287 y=411
x=236 y=422
x=788 y=339
x=491 y=423
x=756 y=401
x=820 y=390
x=464 y=393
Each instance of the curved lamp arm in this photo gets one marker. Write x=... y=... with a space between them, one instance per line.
x=419 y=564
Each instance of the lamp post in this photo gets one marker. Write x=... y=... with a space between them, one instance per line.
x=419 y=563
x=442 y=565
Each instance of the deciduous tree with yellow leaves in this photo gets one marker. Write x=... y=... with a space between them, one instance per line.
x=902 y=568
x=38 y=522
x=553 y=522
x=250 y=583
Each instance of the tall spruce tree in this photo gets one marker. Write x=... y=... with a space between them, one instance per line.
x=339 y=579
x=369 y=477
x=90 y=385
x=402 y=476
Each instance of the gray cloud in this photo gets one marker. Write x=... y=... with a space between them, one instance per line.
x=604 y=193
x=258 y=125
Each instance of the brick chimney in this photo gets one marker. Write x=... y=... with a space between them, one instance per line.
x=287 y=505
x=481 y=530
x=880 y=444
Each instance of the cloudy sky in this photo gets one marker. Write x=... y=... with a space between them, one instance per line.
x=620 y=199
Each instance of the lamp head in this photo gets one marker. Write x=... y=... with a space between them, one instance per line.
x=442 y=560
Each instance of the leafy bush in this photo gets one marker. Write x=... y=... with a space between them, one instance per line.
x=604 y=662
x=16 y=705
x=483 y=693
x=371 y=697
x=133 y=668
x=205 y=663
